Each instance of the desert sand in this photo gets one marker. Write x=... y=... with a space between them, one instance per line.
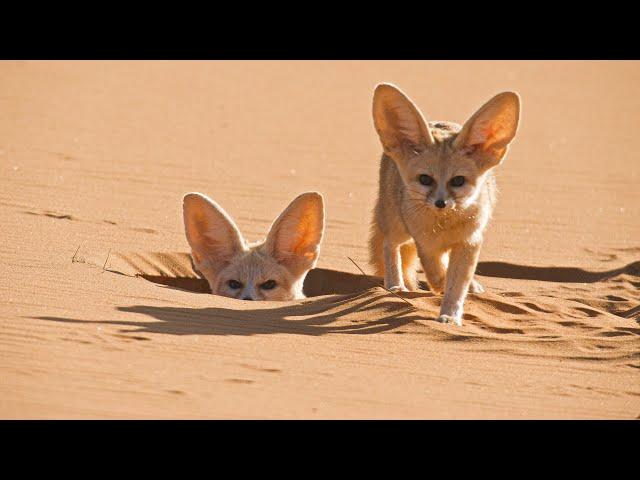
x=101 y=315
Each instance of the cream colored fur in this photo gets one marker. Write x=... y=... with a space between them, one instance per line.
x=223 y=256
x=407 y=222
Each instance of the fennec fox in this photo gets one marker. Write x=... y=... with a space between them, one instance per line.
x=436 y=193
x=273 y=269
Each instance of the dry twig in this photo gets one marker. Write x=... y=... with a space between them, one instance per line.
x=385 y=288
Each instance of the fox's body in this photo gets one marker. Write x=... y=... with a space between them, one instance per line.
x=273 y=269
x=436 y=232
x=422 y=213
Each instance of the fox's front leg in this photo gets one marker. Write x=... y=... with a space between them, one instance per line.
x=462 y=265
x=392 y=266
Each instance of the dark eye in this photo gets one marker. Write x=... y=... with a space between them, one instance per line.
x=457 y=181
x=425 y=179
x=234 y=284
x=268 y=285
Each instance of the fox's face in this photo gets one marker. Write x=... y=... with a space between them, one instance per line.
x=443 y=166
x=441 y=176
x=270 y=270
x=253 y=275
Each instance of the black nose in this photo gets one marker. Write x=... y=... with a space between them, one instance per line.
x=247 y=298
x=440 y=203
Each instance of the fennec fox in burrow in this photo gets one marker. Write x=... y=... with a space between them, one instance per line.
x=436 y=193
x=273 y=269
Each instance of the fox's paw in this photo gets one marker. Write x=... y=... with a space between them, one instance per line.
x=450 y=319
x=475 y=287
x=398 y=288
x=411 y=284
x=436 y=287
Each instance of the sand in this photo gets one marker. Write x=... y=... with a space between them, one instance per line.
x=101 y=315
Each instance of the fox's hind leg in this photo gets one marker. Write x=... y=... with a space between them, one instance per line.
x=375 y=249
x=409 y=256
x=385 y=256
x=434 y=265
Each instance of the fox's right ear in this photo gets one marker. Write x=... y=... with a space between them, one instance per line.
x=213 y=236
x=397 y=120
x=295 y=236
x=491 y=129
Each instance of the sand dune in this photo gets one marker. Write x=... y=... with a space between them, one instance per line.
x=103 y=316
x=591 y=325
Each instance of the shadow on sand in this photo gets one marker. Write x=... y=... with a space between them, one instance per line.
x=343 y=294
x=309 y=318
x=552 y=274
x=322 y=281
x=319 y=281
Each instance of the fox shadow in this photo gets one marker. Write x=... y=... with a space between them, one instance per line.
x=318 y=317
x=341 y=294
x=322 y=281
x=553 y=274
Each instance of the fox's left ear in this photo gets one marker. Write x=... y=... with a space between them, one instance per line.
x=294 y=238
x=490 y=130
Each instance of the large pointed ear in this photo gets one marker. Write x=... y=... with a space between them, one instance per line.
x=489 y=131
x=213 y=236
x=295 y=236
x=398 y=121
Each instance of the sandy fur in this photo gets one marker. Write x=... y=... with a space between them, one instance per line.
x=406 y=221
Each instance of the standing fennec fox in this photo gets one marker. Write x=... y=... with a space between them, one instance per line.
x=270 y=270
x=436 y=194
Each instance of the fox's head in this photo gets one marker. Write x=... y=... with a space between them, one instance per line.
x=270 y=270
x=440 y=162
